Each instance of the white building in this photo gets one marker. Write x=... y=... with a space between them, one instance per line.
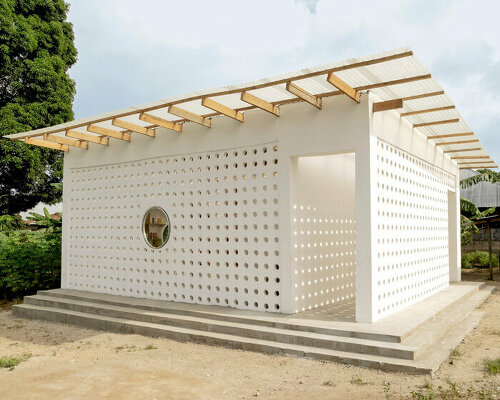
x=336 y=185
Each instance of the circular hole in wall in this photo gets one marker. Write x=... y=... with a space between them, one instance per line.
x=156 y=227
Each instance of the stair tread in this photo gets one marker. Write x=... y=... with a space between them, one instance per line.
x=237 y=325
x=235 y=338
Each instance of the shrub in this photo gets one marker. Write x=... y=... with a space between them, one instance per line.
x=478 y=259
x=29 y=261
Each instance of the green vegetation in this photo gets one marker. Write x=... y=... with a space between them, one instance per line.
x=453 y=391
x=36 y=52
x=492 y=365
x=328 y=383
x=454 y=355
x=478 y=259
x=29 y=261
x=150 y=347
x=359 y=381
x=11 y=362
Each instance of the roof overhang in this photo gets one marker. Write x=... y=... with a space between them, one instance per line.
x=396 y=77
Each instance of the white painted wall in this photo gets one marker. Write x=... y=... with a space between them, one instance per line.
x=323 y=230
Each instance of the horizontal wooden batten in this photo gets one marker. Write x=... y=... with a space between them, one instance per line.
x=133 y=127
x=304 y=95
x=457 y=142
x=109 y=132
x=387 y=105
x=450 y=135
x=189 y=116
x=475 y=162
x=221 y=108
x=445 y=121
x=47 y=144
x=262 y=104
x=480 y=167
x=343 y=87
x=429 y=110
x=68 y=142
x=89 y=138
x=165 y=123
x=460 y=150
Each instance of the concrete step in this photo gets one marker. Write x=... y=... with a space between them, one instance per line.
x=243 y=330
x=217 y=313
x=122 y=325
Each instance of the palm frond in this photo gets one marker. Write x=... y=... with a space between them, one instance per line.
x=485 y=175
x=468 y=207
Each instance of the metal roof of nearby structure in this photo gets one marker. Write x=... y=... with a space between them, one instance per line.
x=396 y=77
x=482 y=194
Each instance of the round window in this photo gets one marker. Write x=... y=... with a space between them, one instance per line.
x=156 y=227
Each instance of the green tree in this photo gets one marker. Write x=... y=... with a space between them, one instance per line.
x=36 y=51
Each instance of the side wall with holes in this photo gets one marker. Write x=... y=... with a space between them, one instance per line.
x=227 y=191
x=415 y=246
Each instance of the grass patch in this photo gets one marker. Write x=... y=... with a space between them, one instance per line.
x=454 y=355
x=150 y=347
x=328 y=383
x=124 y=347
x=492 y=365
x=359 y=381
x=11 y=362
x=453 y=391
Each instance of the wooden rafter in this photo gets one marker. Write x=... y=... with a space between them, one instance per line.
x=457 y=142
x=460 y=150
x=47 y=144
x=304 y=95
x=475 y=162
x=153 y=119
x=109 y=132
x=479 y=167
x=429 y=110
x=221 y=108
x=450 y=135
x=262 y=104
x=423 y=95
x=68 y=142
x=442 y=122
x=470 y=157
x=89 y=138
x=133 y=127
x=189 y=116
x=387 y=105
x=343 y=87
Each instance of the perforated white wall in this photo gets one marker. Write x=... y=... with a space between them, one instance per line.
x=224 y=243
x=411 y=229
x=323 y=231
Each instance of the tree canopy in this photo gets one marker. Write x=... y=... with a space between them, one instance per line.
x=36 y=51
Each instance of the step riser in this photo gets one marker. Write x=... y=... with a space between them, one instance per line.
x=229 y=318
x=130 y=328
x=286 y=337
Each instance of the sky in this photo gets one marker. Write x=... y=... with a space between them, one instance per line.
x=132 y=52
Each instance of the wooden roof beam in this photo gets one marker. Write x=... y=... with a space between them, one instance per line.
x=262 y=104
x=387 y=105
x=133 y=127
x=46 y=144
x=189 y=116
x=470 y=157
x=450 y=135
x=89 y=138
x=460 y=150
x=221 y=108
x=109 y=132
x=304 y=95
x=429 y=110
x=165 y=123
x=68 y=142
x=446 y=121
x=475 y=162
x=343 y=87
x=424 y=95
x=479 y=167
x=458 y=142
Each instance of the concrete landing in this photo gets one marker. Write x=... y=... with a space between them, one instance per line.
x=416 y=340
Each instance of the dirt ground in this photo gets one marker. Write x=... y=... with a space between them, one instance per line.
x=66 y=362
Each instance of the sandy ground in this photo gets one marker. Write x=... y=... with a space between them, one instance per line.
x=73 y=363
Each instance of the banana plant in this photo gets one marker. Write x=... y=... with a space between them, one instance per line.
x=46 y=221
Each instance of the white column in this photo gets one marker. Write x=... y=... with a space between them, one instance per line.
x=454 y=239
